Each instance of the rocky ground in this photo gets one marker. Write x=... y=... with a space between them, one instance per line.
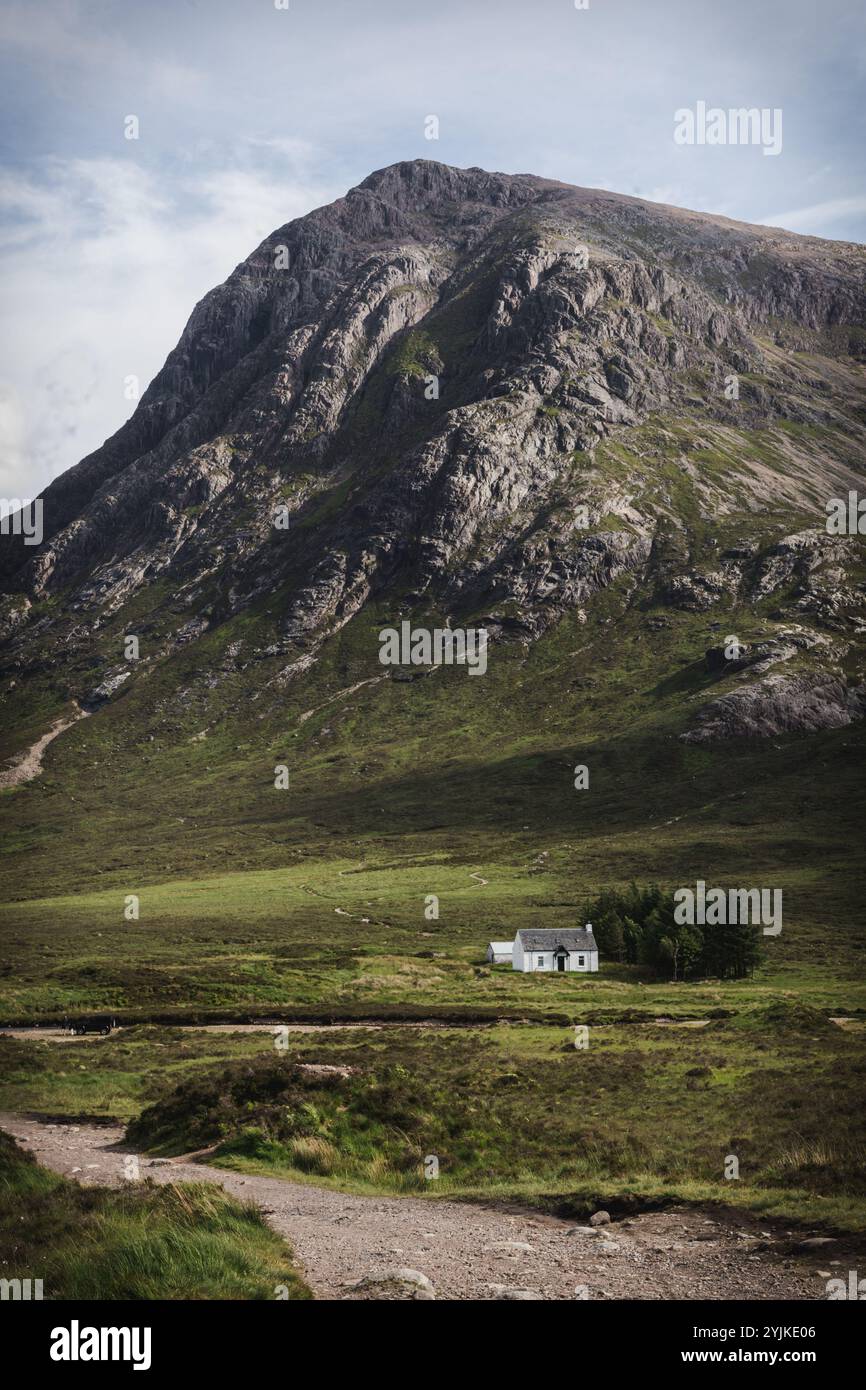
x=353 y=1247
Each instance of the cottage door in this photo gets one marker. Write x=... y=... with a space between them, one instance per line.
x=560 y=962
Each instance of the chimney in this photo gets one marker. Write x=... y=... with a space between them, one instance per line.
x=588 y=928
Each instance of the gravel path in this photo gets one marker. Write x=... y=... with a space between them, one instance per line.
x=467 y=1251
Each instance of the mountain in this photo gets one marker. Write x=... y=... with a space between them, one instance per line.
x=603 y=429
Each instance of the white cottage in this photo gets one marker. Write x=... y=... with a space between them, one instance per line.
x=500 y=952
x=552 y=948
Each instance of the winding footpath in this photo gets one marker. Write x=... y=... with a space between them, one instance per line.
x=29 y=764
x=468 y=1251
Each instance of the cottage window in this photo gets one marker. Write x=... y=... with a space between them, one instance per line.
x=581 y=959
x=541 y=960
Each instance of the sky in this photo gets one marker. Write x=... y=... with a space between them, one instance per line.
x=252 y=112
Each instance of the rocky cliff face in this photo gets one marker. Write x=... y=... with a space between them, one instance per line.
x=486 y=396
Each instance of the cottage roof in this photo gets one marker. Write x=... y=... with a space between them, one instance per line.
x=549 y=938
x=500 y=946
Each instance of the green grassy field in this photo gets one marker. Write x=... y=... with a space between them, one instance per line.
x=346 y=940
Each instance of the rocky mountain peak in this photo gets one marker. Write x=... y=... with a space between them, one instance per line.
x=474 y=393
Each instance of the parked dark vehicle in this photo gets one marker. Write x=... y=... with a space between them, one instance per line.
x=98 y=1023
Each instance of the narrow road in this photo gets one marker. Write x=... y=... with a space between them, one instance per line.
x=467 y=1251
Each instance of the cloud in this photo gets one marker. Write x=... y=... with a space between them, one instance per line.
x=817 y=216
x=104 y=261
x=12 y=451
x=178 y=84
x=62 y=38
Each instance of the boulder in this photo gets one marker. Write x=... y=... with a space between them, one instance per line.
x=392 y=1286
x=779 y=705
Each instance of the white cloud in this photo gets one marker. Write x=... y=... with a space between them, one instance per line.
x=102 y=265
x=177 y=84
x=817 y=215
x=12 y=433
x=62 y=37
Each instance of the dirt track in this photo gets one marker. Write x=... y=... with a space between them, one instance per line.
x=29 y=763
x=470 y=1252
